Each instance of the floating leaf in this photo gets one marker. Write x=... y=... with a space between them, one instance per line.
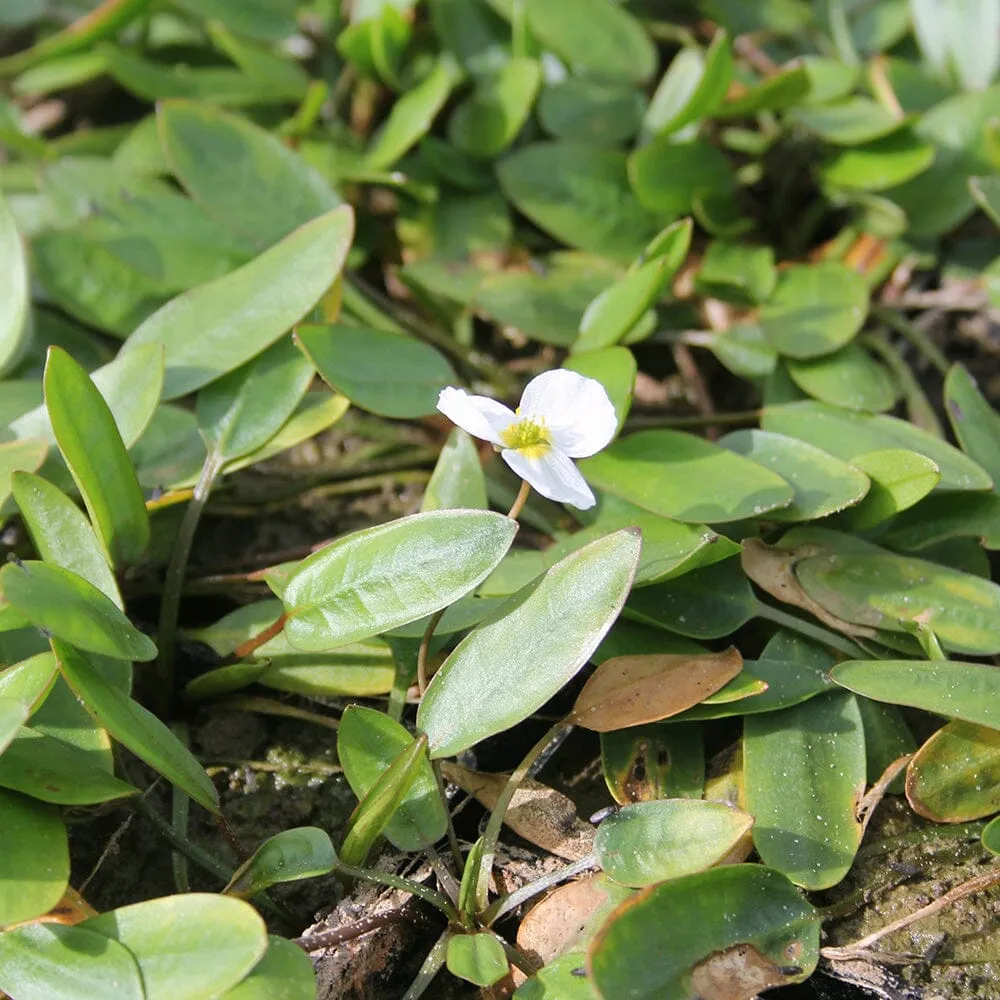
x=649 y=842
x=34 y=865
x=745 y=926
x=304 y=852
x=953 y=777
x=477 y=958
x=88 y=438
x=367 y=744
x=386 y=373
x=189 y=946
x=685 y=477
x=823 y=484
x=804 y=769
x=848 y=435
x=513 y=663
x=139 y=730
x=631 y=690
x=220 y=325
x=814 y=309
x=375 y=580
x=65 y=605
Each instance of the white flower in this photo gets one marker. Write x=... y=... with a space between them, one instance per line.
x=562 y=416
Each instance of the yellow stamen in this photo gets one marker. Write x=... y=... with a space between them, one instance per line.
x=529 y=437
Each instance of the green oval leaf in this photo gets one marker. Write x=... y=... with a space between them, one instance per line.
x=823 y=484
x=899 y=479
x=685 y=477
x=849 y=377
x=34 y=870
x=139 y=730
x=220 y=325
x=477 y=958
x=187 y=947
x=48 y=961
x=65 y=605
x=967 y=691
x=848 y=435
x=814 y=309
x=304 y=852
x=284 y=973
x=367 y=744
x=386 y=373
x=804 y=770
x=512 y=664
x=975 y=423
x=88 y=438
x=375 y=580
x=15 y=325
x=666 y=175
x=657 y=761
x=649 y=842
x=16 y=456
x=881 y=164
x=745 y=918
x=457 y=480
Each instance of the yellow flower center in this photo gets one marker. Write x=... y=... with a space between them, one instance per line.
x=529 y=437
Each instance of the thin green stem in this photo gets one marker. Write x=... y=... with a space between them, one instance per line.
x=917 y=337
x=431 y=967
x=182 y=843
x=817 y=632
x=173 y=586
x=180 y=810
x=695 y=419
x=492 y=832
x=428 y=895
x=919 y=406
x=425 y=644
x=456 y=850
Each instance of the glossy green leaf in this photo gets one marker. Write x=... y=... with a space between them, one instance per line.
x=743 y=350
x=367 y=744
x=897 y=593
x=197 y=137
x=512 y=664
x=382 y=801
x=849 y=377
x=377 y=579
x=13 y=714
x=742 y=921
x=648 y=842
x=943 y=516
x=488 y=121
x=580 y=195
x=822 y=484
x=189 y=946
x=745 y=275
x=132 y=725
x=655 y=761
x=887 y=738
x=615 y=369
x=15 y=326
x=953 y=777
x=880 y=164
x=220 y=325
x=692 y=88
x=815 y=309
x=67 y=606
x=707 y=603
x=617 y=309
x=848 y=435
x=49 y=961
x=594 y=111
x=975 y=423
x=457 y=479
x=899 y=479
x=804 y=770
x=88 y=438
x=666 y=175
x=794 y=670
x=966 y=691
x=24 y=455
x=477 y=958
x=412 y=115
x=851 y=122
x=386 y=373
x=304 y=852
x=61 y=533
x=783 y=89
x=685 y=477
x=53 y=771
x=986 y=191
x=284 y=973
x=243 y=410
x=991 y=836
x=34 y=865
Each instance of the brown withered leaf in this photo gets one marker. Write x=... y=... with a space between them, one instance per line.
x=738 y=973
x=540 y=814
x=773 y=570
x=632 y=690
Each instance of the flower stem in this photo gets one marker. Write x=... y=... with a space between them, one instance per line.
x=173 y=586
x=520 y=500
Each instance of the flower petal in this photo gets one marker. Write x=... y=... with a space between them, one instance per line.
x=481 y=416
x=553 y=475
x=577 y=411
